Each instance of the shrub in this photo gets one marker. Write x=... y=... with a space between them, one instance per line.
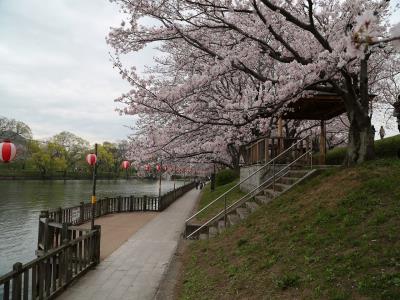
x=226 y=176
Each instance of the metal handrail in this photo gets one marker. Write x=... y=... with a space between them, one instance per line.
x=235 y=204
x=272 y=161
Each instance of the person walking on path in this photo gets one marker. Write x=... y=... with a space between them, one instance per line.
x=382 y=132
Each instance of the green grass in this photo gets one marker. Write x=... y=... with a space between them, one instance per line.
x=385 y=148
x=335 y=236
x=208 y=196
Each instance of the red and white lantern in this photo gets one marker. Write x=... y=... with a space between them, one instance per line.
x=91 y=159
x=7 y=151
x=158 y=167
x=147 y=168
x=126 y=164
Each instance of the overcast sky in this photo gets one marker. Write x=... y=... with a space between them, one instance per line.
x=55 y=72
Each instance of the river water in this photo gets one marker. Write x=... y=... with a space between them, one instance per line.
x=22 y=200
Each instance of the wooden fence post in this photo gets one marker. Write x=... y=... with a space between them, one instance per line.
x=131 y=199
x=96 y=246
x=64 y=232
x=46 y=238
x=160 y=203
x=81 y=212
x=67 y=272
x=119 y=204
x=107 y=205
x=17 y=282
x=58 y=215
x=144 y=203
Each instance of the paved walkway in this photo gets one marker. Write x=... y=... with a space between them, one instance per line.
x=116 y=229
x=135 y=270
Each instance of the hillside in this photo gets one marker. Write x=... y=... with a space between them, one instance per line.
x=334 y=237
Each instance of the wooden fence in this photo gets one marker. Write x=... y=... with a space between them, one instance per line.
x=82 y=213
x=48 y=275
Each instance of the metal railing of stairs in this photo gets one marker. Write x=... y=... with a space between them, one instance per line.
x=280 y=165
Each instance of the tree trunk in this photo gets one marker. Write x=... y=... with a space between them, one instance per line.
x=361 y=140
x=361 y=136
x=235 y=156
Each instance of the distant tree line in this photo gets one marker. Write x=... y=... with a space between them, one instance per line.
x=62 y=155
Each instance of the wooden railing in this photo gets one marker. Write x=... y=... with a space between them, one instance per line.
x=82 y=213
x=48 y=275
x=170 y=197
x=265 y=149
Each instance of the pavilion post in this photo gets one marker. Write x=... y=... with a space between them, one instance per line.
x=280 y=135
x=322 y=144
x=266 y=141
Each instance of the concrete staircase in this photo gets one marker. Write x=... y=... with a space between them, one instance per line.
x=243 y=210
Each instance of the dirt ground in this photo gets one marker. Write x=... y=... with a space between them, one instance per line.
x=118 y=228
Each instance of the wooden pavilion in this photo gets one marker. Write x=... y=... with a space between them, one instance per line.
x=321 y=107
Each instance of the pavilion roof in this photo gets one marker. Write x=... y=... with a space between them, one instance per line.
x=321 y=106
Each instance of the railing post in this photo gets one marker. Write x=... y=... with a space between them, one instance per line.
x=58 y=218
x=119 y=203
x=144 y=203
x=46 y=238
x=81 y=212
x=131 y=199
x=64 y=231
x=67 y=262
x=160 y=203
x=225 y=211
x=41 y=237
x=273 y=175
x=96 y=248
x=17 y=282
x=107 y=204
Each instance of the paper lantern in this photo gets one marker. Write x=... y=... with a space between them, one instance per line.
x=91 y=159
x=7 y=151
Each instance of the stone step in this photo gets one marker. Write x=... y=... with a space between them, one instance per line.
x=252 y=206
x=296 y=173
x=221 y=225
x=288 y=180
x=262 y=199
x=233 y=219
x=203 y=236
x=271 y=193
x=281 y=187
x=242 y=212
x=212 y=231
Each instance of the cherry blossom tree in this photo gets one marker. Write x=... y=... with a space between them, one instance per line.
x=232 y=65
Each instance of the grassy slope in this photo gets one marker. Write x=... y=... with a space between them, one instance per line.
x=333 y=237
x=208 y=196
x=384 y=148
